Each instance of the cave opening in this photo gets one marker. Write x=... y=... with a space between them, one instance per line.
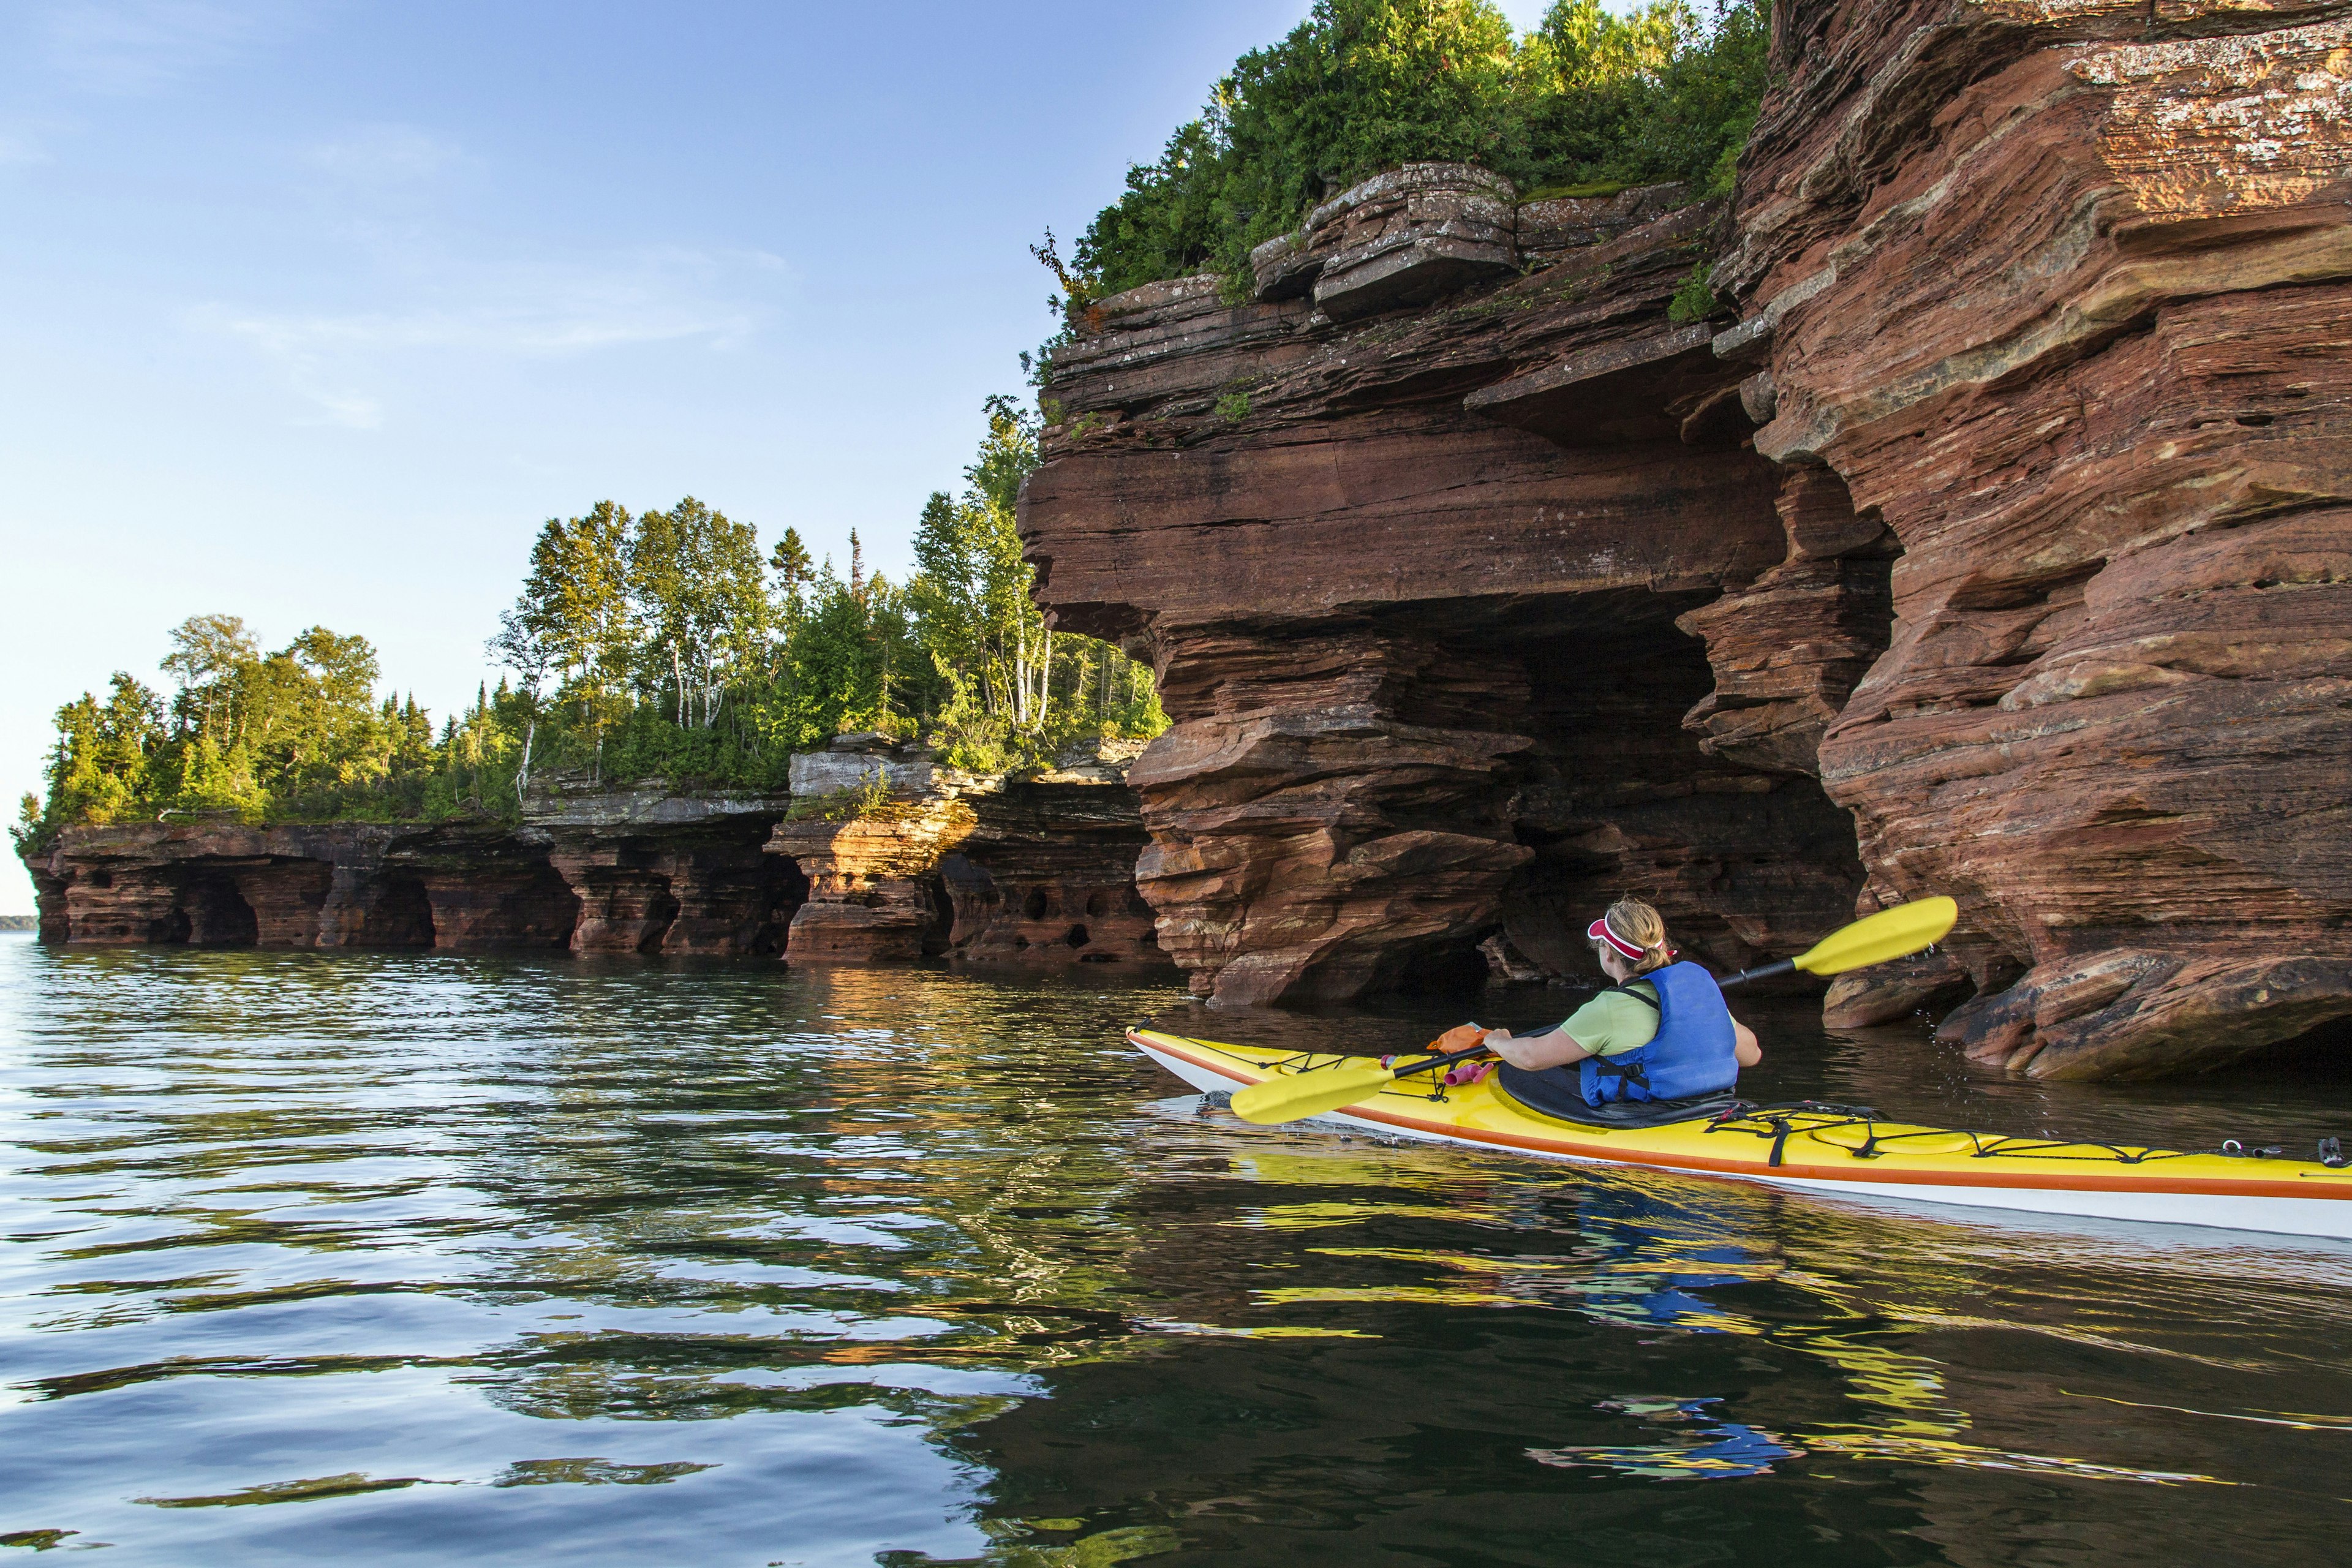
x=288 y=894
x=781 y=888
x=1621 y=800
x=549 y=912
x=2321 y=1054
x=660 y=914
x=938 y=916
x=526 y=904
x=213 y=911
x=401 y=914
x=1616 y=796
x=1455 y=969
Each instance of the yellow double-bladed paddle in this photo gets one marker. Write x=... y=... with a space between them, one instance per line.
x=1891 y=933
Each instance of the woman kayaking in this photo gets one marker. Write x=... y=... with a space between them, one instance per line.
x=1826 y=1149
x=1661 y=1032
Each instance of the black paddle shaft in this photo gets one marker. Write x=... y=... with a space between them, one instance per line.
x=1444 y=1059
x=1761 y=972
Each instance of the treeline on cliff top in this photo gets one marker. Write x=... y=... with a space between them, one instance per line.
x=664 y=645
x=1587 y=103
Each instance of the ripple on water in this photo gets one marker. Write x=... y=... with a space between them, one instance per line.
x=429 y=1257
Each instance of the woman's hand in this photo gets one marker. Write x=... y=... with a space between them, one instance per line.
x=1536 y=1052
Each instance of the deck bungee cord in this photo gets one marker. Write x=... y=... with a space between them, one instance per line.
x=1777 y=1122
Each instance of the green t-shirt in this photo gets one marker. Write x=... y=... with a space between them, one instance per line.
x=1614 y=1023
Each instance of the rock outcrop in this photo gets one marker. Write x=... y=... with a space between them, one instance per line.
x=873 y=825
x=1046 y=877
x=2062 y=294
x=334 y=885
x=1034 y=870
x=658 y=871
x=1412 y=582
x=1993 y=544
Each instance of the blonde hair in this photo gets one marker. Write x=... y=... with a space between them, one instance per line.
x=1643 y=927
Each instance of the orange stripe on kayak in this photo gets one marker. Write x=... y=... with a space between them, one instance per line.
x=2213 y=1186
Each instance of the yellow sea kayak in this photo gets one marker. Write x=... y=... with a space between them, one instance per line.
x=1830 y=1149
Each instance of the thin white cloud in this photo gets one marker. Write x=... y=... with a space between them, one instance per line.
x=125 y=48
x=16 y=152
x=348 y=410
x=333 y=359
x=383 y=155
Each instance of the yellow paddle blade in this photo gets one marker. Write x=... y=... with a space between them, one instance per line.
x=1891 y=933
x=1309 y=1093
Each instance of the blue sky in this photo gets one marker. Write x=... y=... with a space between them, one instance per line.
x=315 y=311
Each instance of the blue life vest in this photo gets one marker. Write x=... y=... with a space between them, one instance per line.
x=1691 y=1054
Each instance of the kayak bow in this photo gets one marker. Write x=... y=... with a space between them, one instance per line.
x=1833 y=1150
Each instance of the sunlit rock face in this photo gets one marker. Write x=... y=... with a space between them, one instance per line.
x=1410 y=575
x=2060 y=292
x=1030 y=871
x=2009 y=510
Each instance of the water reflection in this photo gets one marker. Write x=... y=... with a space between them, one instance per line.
x=1704 y=1449
x=422 y=1256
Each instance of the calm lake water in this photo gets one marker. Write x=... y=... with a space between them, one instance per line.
x=419 y=1258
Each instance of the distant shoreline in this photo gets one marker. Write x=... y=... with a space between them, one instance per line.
x=18 y=923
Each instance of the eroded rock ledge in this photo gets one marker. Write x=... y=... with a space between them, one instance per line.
x=2063 y=292
x=1994 y=545
x=1412 y=579
x=1035 y=871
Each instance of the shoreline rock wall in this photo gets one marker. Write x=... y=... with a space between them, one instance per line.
x=983 y=871
x=1996 y=547
x=2063 y=294
x=303 y=885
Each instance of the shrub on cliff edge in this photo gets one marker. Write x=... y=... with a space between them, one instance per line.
x=1587 y=98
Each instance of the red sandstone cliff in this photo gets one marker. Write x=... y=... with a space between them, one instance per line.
x=1410 y=572
x=2060 y=291
x=1478 y=593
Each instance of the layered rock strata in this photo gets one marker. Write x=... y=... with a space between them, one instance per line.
x=1046 y=877
x=2008 y=505
x=1034 y=872
x=907 y=860
x=870 y=835
x=656 y=871
x=2062 y=294
x=1410 y=582
x=333 y=885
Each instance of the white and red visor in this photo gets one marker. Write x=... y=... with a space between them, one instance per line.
x=1599 y=932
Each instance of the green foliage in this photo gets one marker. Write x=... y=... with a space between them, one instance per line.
x=1588 y=103
x=1233 y=407
x=663 y=646
x=248 y=736
x=871 y=798
x=1694 y=301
